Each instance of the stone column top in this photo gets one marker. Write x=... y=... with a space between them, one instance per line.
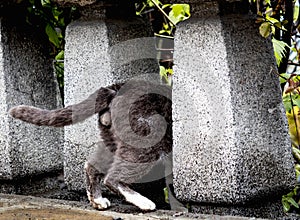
x=80 y=3
x=88 y=2
x=83 y=3
x=75 y=2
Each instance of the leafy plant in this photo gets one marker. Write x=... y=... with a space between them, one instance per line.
x=166 y=74
x=288 y=200
x=173 y=14
x=270 y=24
x=279 y=50
x=169 y=16
x=280 y=21
x=52 y=20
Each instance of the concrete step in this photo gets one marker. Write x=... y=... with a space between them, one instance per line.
x=19 y=207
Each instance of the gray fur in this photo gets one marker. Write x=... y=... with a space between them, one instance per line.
x=95 y=103
x=135 y=138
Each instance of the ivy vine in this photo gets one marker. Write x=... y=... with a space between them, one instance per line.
x=280 y=21
x=167 y=16
x=52 y=20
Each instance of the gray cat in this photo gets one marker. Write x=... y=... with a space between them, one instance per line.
x=135 y=120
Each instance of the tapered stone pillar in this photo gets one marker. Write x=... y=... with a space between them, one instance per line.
x=231 y=142
x=26 y=77
x=108 y=44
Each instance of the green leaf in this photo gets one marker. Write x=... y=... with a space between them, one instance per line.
x=170 y=71
x=162 y=71
x=273 y=29
x=286 y=206
x=259 y=13
x=165 y=31
x=268 y=2
x=297 y=169
x=294 y=49
x=272 y=20
x=279 y=49
x=60 y=55
x=284 y=22
x=52 y=35
x=265 y=29
x=280 y=26
x=151 y=4
x=283 y=77
x=61 y=21
x=165 y=26
x=179 y=12
x=56 y=13
x=166 y=193
x=165 y=6
x=290 y=194
x=45 y=2
x=296 y=101
x=296 y=153
x=287 y=103
x=288 y=200
x=164 y=74
x=293 y=202
x=296 y=13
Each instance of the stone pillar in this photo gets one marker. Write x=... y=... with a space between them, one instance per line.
x=108 y=44
x=26 y=77
x=231 y=142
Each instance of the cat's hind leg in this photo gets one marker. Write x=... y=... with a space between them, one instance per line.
x=135 y=198
x=122 y=174
x=96 y=168
x=93 y=177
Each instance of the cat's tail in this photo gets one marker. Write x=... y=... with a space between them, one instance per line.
x=96 y=103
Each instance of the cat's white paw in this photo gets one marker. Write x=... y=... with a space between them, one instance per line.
x=101 y=203
x=138 y=200
x=144 y=203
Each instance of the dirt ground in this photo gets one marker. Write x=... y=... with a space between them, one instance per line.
x=50 y=214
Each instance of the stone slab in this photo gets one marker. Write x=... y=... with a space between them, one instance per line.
x=34 y=207
x=26 y=77
x=231 y=146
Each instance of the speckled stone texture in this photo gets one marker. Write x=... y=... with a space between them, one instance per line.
x=231 y=143
x=26 y=77
x=266 y=210
x=99 y=53
x=76 y=2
